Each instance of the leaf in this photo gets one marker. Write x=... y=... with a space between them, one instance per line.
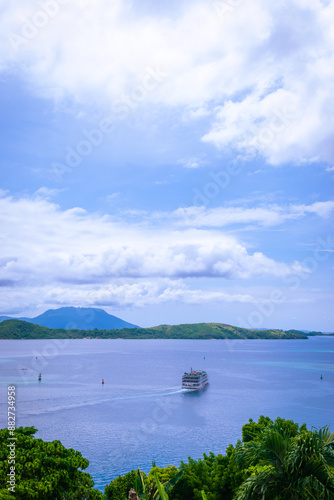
x=173 y=481
x=139 y=485
x=161 y=489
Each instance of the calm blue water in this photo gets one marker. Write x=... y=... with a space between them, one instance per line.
x=140 y=414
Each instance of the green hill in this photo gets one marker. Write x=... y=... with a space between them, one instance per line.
x=17 y=329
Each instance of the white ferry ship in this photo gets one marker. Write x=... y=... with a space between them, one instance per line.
x=194 y=380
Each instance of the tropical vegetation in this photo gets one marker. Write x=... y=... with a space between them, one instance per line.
x=274 y=460
x=41 y=470
x=18 y=329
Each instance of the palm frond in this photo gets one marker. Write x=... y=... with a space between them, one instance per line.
x=326 y=438
x=173 y=481
x=277 y=443
x=162 y=493
x=139 y=485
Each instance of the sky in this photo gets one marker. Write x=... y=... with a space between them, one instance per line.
x=169 y=162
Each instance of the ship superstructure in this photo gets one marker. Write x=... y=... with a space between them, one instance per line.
x=194 y=380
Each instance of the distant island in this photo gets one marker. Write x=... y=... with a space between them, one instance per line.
x=81 y=318
x=18 y=329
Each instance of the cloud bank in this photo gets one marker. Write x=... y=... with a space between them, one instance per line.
x=45 y=242
x=65 y=255
x=261 y=73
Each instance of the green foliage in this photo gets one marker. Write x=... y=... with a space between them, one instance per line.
x=198 y=475
x=119 y=488
x=44 y=470
x=155 y=486
x=162 y=492
x=172 y=482
x=165 y=474
x=253 y=430
x=285 y=463
x=277 y=460
x=139 y=485
x=168 y=476
x=18 y=329
x=228 y=478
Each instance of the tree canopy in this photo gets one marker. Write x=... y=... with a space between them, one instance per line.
x=286 y=465
x=43 y=470
x=18 y=329
x=275 y=460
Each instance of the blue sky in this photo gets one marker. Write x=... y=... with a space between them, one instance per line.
x=169 y=164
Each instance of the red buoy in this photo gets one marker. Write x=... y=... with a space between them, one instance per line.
x=102 y=381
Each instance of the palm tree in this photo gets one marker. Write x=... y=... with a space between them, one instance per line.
x=289 y=468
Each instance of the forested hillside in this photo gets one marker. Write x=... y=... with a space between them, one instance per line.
x=17 y=329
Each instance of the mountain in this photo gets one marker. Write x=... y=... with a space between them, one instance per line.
x=80 y=318
x=16 y=329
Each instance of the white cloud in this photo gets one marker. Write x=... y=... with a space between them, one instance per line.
x=271 y=215
x=264 y=72
x=122 y=294
x=45 y=193
x=192 y=162
x=45 y=243
x=142 y=293
x=321 y=208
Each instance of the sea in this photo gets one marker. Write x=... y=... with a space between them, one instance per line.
x=140 y=414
